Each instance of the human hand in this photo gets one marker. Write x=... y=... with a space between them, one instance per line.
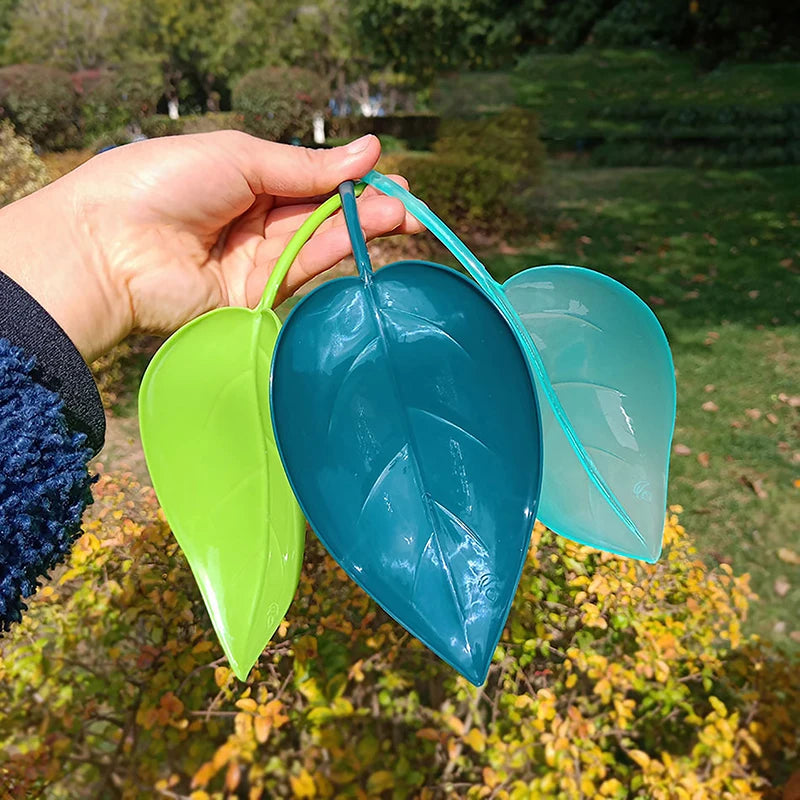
x=153 y=234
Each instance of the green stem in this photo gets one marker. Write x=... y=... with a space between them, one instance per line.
x=301 y=236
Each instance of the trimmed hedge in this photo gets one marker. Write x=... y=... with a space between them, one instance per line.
x=478 y=171
x=116 y=98
x=42 y=104
x=278 y=102
x=417 y=131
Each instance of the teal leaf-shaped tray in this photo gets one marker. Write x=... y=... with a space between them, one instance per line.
x=407 y=422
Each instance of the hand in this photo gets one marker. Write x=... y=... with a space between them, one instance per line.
x=152 y=234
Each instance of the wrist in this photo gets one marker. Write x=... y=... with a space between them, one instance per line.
x=47 y=246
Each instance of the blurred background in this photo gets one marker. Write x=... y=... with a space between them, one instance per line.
x=657 y=141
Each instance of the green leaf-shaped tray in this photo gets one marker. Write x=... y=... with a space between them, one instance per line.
x=208 y=440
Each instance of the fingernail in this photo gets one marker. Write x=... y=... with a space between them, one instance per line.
x=359 y=145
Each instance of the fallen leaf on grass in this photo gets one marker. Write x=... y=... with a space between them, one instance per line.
x=736 y=424
x=693 y=295
x=791 y=400
x=753 y=295
x=757 y=485
x=753 y=413
x=791 y=791
x=711 y=337
x=709 y=387
x=772 y=418
x=795 y=637
x=789 y=556
x=710 y=405
x=779 y=627
x=657 y=301
x=681 y=450
x=703 y=459
x=781 y=586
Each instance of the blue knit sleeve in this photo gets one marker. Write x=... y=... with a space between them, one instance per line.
x=44 y=481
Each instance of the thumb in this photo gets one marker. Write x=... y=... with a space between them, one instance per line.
x=285 y=170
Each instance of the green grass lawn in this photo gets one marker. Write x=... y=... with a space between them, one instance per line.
x=717 y=257
x=554 y=81
x=606 y=93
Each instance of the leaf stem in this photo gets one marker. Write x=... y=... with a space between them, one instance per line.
x=357 y=241
x=301 y=236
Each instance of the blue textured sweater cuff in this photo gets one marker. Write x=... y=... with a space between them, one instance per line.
x=44 y=482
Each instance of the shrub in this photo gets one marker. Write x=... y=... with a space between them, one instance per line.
x=213 y=121
x=115 y=98
x=479 y=170
x=613 y=678
x=469 y=94
x=161 y=125
x=415 y=131
x=115 y=138
x=59 y=164
x=278 y=102
x=42 y=104
x=109 y=374
x=21 y=172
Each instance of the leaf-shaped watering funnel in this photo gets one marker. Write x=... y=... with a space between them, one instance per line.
x=407 y=422
x=606 y=385
x=208 y=440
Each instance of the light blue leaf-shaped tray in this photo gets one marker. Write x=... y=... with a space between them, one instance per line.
x=406 y=418
x=606 y=385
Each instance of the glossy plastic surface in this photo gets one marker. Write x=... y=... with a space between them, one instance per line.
x=406 y=418
x=610 y=378
x=606 y=384
x=208 y=440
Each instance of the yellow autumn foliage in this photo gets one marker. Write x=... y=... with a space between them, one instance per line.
x=613 y=679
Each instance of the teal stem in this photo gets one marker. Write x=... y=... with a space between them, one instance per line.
x=357 y=241
x=301 y=236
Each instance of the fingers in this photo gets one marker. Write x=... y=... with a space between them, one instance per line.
x=289 y=215
x=330 y=244
x=283 y=222
x=288 y=171
x=370 y=191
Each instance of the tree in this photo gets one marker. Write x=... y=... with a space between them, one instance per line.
x=425 y=37
x=195 y=42
x=70 y=34
x=7 y=8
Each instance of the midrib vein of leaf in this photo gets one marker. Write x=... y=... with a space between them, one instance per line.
x=563 y=419
x=413 y=453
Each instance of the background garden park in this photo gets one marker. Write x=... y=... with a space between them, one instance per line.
x=655 y=141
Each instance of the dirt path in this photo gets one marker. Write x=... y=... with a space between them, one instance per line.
x=123 y=448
